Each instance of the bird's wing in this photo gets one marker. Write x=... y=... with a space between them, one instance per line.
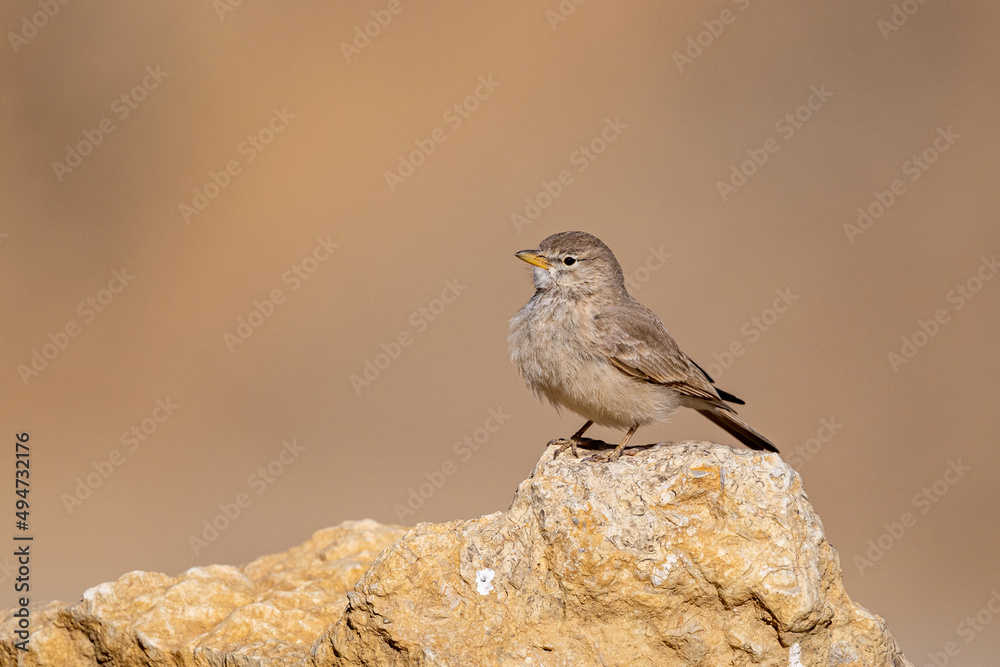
x=638 y=344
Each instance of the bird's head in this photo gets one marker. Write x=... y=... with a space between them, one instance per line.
x=576 y=261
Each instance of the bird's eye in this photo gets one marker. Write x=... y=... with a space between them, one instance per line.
x=569 y=261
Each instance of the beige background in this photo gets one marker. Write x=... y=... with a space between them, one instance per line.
x=653 y=189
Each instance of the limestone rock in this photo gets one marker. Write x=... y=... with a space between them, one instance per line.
x=680 y=554
x=686 y=554
x=268 y=612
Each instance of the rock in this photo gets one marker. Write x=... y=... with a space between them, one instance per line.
x=679 y=554
x=268 y=612
x=690 y=554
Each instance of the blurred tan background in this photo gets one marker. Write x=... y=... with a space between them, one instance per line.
x=157 y=101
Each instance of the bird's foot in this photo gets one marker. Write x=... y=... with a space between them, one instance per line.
x=564 y=444
x=605 y=458
x=618 y=453
x=572 y=443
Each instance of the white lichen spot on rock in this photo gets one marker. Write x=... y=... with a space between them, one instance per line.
x=794 y=656
x=484 y=579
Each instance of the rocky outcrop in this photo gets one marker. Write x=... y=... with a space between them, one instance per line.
x=268 y=612
x=679 y=554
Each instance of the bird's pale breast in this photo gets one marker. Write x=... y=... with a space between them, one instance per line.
x=554 y=345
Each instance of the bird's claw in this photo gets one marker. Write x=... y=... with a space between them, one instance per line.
x=564 y=444
x=613 y=456
x=604 y=458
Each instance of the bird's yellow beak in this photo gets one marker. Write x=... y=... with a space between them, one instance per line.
x=532 y=257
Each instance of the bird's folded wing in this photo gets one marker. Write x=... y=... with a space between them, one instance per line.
x=638 y=344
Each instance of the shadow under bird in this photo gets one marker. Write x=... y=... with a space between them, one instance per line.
x=584 y=343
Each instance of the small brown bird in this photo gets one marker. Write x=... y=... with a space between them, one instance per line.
x=584 y=343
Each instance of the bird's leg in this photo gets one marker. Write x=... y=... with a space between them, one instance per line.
x=613 y=456
x=572 y=442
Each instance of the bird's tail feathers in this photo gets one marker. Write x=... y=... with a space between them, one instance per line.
x=737 y=428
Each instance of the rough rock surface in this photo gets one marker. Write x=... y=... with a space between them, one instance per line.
x=268 y=612
x=681 y=554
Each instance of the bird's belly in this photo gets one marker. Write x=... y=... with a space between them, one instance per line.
x=555 y=363
x=598 y=391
